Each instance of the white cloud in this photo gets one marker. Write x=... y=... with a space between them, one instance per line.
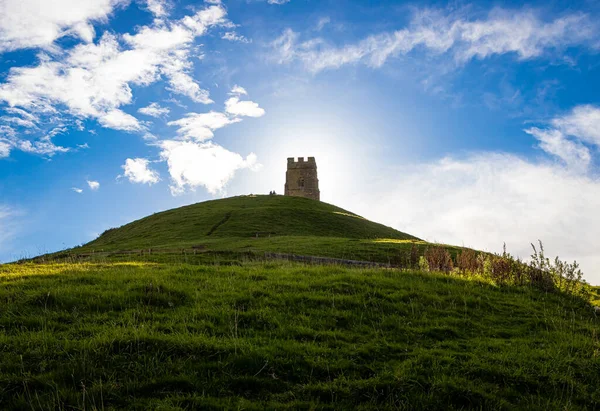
x=77 y=190
x=199 y=163
x=233 y=36
x=94 y=185
x=157 y=7
x=154 y=110
x=8 y=224
x=287 y=48
x=575 y=155
x=43 y=146
x=17 y=121
x=38 y=23
x=159 y=38
x=91 y=81
x=10 y=139
x=323 y=21
x=137 y=171
x=182 y=83
x=5 y=148
x=24 y=119
x=119 y=120
x=583 y=122
x=200 y=126
x=278 y=1
x=503 y=31
x=209 y=165
x=568 y=135
x=200 y=22
x=238 y=91
x=243 y=108
x=24 y=114
x=489 y=198
x=94 y=80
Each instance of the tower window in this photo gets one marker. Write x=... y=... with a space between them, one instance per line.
x=301 y=182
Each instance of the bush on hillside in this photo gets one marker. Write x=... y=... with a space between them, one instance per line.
x=505 y=269
x=423 y=264
x=567 y=277
x=439 y=259
x=413 y=257
x=468 y=261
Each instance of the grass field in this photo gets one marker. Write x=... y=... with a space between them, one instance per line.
x=278 y=335
x=179 y=311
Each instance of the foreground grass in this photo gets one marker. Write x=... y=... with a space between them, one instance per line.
x=595 y=295
x=272 y=335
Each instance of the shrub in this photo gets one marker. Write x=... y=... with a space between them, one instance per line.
x=487 y=267
x=468 y=261
x=439 y=259
x=540 y=272
x=505 y=269
x=501 y=269
x=423 y=264
x=567 y=277
x=413 y=259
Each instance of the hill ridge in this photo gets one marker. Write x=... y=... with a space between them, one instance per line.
x=244 y=217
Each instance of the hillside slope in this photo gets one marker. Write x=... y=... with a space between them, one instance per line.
x=244 y=217
x=255 y=336
x=221 y=329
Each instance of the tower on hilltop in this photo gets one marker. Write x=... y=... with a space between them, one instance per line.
x=301 y=178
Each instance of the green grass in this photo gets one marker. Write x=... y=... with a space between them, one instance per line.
x=227 y=230
x=237 y=218
x=276 y=335
x=595 y=295
x=201 y=323
x=386 y=251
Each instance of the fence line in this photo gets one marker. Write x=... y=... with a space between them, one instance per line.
x=201 y=250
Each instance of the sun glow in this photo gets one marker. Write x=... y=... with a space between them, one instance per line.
x=330 y=140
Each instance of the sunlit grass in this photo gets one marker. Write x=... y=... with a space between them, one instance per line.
x=11 y=271
x=286 y=336
x=595 y=297
x=396 y=241
x=349 y=215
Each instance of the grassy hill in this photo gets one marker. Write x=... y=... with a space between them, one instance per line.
x=259 y=336
x=174 y=330
x=244 y=217
x=252 y=225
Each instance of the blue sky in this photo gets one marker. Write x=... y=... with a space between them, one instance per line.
x=466 y=123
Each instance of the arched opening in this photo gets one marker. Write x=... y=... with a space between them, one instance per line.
x=301 y=182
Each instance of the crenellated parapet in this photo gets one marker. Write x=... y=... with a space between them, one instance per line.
x=301 y=162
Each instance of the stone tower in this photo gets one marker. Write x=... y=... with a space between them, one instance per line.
x=301 y=178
